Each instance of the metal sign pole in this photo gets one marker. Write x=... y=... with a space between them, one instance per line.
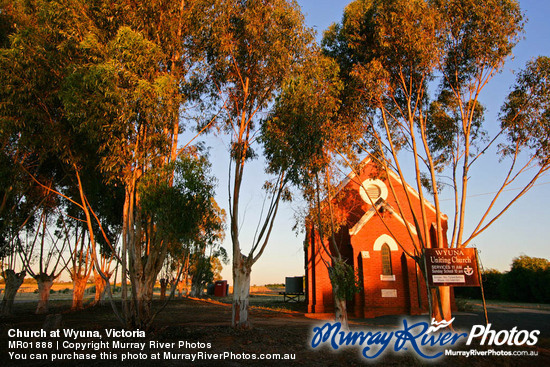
x=481 y=285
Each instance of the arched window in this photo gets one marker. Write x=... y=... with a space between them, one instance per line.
x=386 y=260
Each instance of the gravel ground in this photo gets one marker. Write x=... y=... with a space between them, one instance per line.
x=204 y=327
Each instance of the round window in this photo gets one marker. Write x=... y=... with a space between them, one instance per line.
x=372 y=190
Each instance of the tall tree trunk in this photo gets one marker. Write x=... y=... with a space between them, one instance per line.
x=241 y=291
x=163 y=285
x=100 y=285
x=441 y=296
x=340 y=309
x=180 y=287
x=45 y=283
x=441 y=303
x=142 y=313
x=116 y=276
x=196 y=288
x=125 y=249
x=13 y=281
x=79 y=286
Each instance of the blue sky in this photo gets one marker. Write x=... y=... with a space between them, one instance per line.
x=524 y=229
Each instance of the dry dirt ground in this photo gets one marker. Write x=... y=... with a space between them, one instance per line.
x=280 y=332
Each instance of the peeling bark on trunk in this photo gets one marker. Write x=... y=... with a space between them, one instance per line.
x=241 y=291
x=144 y=286
x=196 y=289
x=79 y=286
x=13 y=282
x=340 y=309
x=100 y=285
x=45 y=283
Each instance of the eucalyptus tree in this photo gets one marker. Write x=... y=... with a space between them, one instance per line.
x=140 y=85
x=188 y=198
x=12 y=281
x=390 y=53
x=302 y=139
x=80 y=268
x=206 y=246
x=41 y=245
x=112 y=77
x=20 y=95
x=20 y=200
x=105 y=266
x=252 y=47
x=38 y=53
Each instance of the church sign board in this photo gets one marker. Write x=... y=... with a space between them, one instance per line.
x=452 y=267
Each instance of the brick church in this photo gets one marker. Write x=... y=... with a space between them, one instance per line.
x=391 y=282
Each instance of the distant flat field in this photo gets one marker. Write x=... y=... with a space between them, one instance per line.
x=28 y=292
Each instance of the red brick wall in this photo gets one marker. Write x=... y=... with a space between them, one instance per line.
x=408 y=285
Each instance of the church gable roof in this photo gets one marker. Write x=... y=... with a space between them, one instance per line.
x=370 y=187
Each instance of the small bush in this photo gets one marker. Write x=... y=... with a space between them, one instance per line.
x=527 y=281
x=491 y=283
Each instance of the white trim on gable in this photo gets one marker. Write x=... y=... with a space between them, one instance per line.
x=364 y=219
x=371 y=212
x=385 y=239
x=392 y=174
x=411 y=190
x=351 y=176
x=404 y=222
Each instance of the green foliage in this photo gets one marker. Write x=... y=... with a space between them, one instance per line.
x=217 y=267
x=526 y=114
x=444 y=129
x=389 y=51
x=252 y=47
x=345 y=281
x=178 y=209
x=491 y=283
x=124 y=101
x=99 y=88
x=41 y=134
x=527 y=280
x=300 y=133
x=202 y=269
x=477 y=37
x=492 y=280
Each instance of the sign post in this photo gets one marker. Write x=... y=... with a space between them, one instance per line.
x=482 y=291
